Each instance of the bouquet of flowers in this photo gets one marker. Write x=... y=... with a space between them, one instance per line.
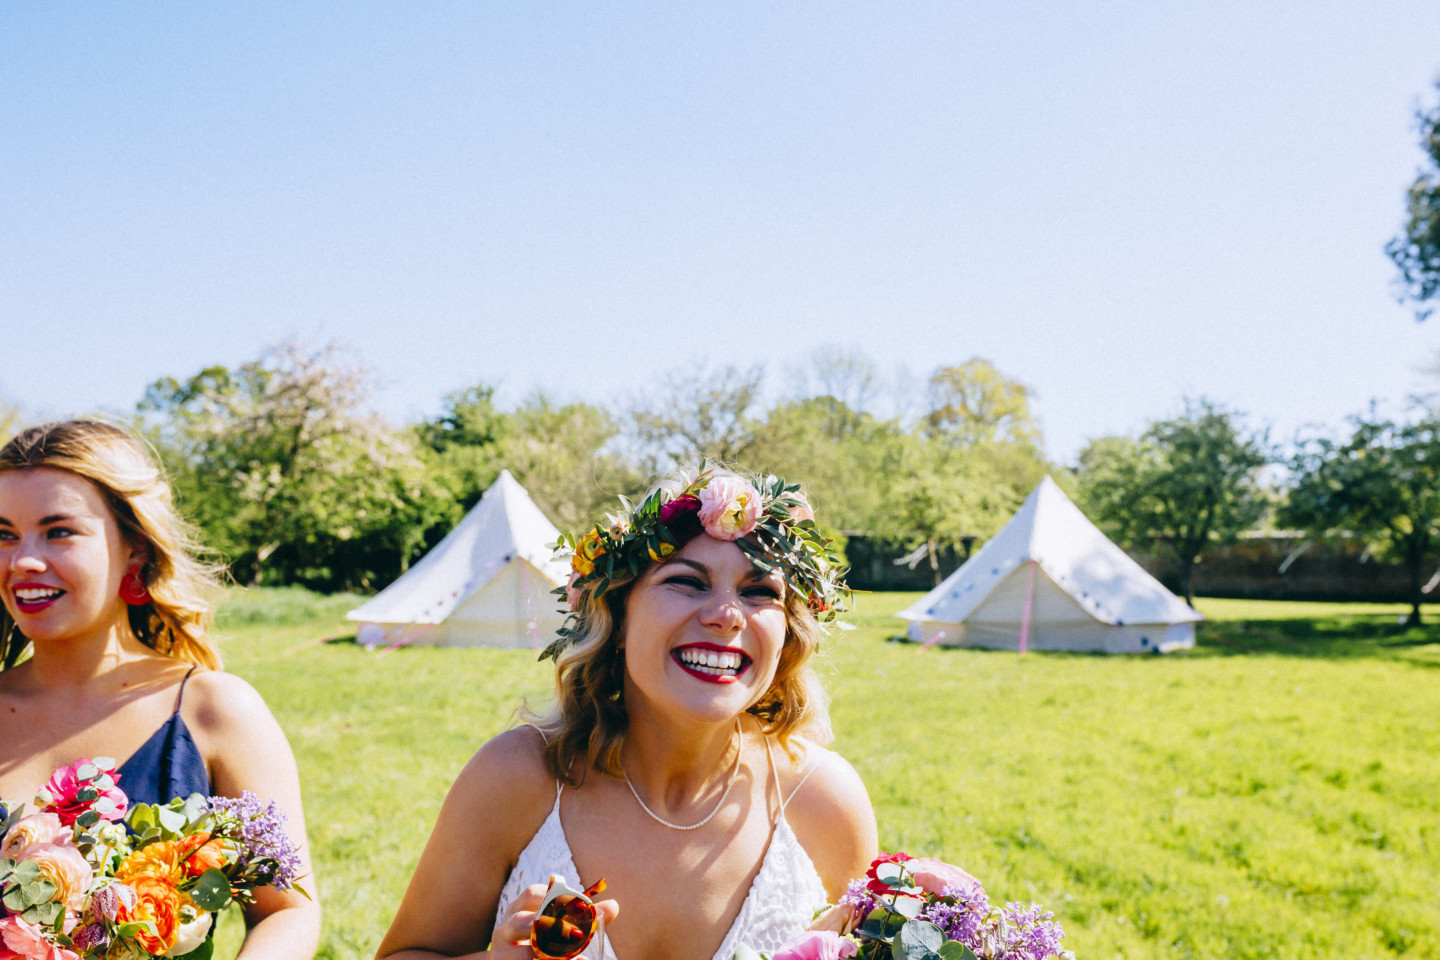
x=925 y=909
x=89 y=875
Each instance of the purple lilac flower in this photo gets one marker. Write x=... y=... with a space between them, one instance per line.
x=261 y=831
x=856 y=895
x=1029 y=933
x=962 y=919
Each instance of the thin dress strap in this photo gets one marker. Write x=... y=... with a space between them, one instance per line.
x=180 y=697
x=786 y=798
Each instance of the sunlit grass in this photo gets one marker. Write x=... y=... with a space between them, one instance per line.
x=1272 y=794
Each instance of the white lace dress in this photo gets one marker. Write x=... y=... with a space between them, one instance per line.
x=781 y=902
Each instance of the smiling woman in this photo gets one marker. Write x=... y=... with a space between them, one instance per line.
x=682 y=762
x=103 y=591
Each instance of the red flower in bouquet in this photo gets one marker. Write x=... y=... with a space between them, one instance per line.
x=876 y=885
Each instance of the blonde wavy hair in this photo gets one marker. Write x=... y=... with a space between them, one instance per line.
x=176 y=621
x=584 y=725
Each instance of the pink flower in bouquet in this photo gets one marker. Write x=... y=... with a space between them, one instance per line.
x=63 y=865
x=28 y=831
x=22 y=940
x=936 y=876
x=818 y=945
x=729 y=508
x=61 y=795
x=804 y=511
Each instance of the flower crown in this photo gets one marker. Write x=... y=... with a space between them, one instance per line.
x=767 y=518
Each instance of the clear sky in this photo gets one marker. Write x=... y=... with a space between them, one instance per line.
x=1117 y=203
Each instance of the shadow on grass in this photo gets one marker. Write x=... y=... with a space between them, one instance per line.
x=1326 y=638
x=1321 y=638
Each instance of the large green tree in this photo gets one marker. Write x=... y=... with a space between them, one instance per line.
x=284 y=471
x=1382 y=484
x=1416 y=251
x=1183 y=486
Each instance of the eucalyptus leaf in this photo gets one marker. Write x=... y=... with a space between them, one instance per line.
x=908 y=907
x=87 y=771
x=141 y=818
x=25 y=871
x=955 y=950
x=87 y=794
x=918 y=940
x=212 y=891
x=171 y=821
x=88 y=819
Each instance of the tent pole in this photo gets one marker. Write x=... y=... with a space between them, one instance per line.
x=1029 y=604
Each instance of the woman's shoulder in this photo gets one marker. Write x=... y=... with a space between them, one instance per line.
x=219 y=701
x=829 y=809
x=511 y=764
x=505 y=787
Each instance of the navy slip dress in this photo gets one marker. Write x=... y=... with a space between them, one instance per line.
x=168 y=765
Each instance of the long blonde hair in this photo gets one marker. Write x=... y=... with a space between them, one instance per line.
x=176 y=621
x=584 y=726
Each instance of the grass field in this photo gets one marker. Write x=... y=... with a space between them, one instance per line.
x=1274 y=793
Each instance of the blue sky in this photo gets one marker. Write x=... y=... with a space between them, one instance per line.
x=1117 y=203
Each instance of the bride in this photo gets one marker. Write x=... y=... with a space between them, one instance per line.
x=683 y=758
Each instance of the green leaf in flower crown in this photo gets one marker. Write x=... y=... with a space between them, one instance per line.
x=918 y=940
x=212 y=891
x=955 y=950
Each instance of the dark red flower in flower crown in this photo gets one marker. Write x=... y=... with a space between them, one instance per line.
x=681 y=517
x=876 y=885
x=688 y=503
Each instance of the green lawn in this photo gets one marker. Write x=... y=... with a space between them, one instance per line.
x=1274 y=793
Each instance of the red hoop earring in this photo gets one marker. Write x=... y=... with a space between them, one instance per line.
x=132 y=588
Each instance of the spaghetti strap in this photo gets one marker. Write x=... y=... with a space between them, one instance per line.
x=180 y=697
x=796 y=789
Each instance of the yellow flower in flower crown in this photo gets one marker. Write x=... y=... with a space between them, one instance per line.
x=666 y=549
x=587 y=551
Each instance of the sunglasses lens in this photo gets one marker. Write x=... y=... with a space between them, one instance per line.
x=563 y=928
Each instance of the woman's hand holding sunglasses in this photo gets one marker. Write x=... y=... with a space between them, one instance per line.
x=563 y=929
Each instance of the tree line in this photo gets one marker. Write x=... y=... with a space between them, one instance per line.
x=292 y=480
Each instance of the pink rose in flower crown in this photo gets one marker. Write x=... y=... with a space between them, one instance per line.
x=572 y=592
x=729 y=508
x=64 y=866
x=61 y=795
x=28 y=831
x=936 y=876
x=22 y=940
x=818 y=945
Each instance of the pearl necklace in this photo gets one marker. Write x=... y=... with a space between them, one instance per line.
x=709 y=816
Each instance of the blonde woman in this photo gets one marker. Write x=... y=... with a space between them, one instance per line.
x=683 y=760
x=105 y=650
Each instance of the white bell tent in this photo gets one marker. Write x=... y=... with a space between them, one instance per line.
x=487 y=583
x=1050 y=580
